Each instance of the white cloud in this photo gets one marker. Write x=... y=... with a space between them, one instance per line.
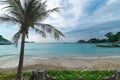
x=111 y=1
x=1 y=9
x=68 y=17
x=73 y=17
x=33 y=38
x=104 y=14
x=53 y=3
x=38 y=38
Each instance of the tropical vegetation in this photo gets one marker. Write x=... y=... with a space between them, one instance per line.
x=28 y=15
x=110 y=37
x=66 y=75
x=2 y=39
x=113 y=37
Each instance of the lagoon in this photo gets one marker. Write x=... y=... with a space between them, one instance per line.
x=60 y=50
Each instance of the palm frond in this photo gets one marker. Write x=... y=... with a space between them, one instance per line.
x=14 y=8
x=58 y=34
x=52 y=10
x=42 y=33
x=51 y=30
x=35 y=10
x=16 y=38
x=9 y=19
x=44 y=14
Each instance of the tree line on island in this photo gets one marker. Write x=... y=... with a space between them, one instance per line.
x=110 y=37
x=4 y=41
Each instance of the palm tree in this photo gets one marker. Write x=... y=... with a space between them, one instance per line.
x=109 y=34
x=28 y=15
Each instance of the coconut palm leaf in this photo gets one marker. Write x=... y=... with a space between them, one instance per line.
x=42 y=33
x=50 y=29
x=16 y=37
x=9 y=19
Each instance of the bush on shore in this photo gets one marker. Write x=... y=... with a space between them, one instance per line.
x=65 y=75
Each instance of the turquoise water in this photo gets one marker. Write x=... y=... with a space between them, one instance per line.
x=60 y=50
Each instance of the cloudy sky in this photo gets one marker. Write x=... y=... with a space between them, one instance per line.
x=78 y=19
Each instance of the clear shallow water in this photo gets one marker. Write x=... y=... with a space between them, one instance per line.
x=59 y=50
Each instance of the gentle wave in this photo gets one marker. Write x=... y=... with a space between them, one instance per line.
x=12 y=56
x=47 y=58
x=68 y=50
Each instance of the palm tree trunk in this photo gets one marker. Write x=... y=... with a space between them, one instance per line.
x=21 y=59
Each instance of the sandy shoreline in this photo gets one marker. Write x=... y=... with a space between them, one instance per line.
x=61 y=64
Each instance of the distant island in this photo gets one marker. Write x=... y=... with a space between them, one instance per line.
x=4 y=41
x=110 y=37
x=29 y=42
x=93 y=40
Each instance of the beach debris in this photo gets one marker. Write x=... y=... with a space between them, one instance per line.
x=33 y=76
x=41 y=75
x=107 y=78
x=117 y=74
x=80 y=78
x=113 y=77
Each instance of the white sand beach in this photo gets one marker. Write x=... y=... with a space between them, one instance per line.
x=61 y=64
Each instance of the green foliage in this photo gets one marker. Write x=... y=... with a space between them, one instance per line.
x=118 y=35
x=87 y=75
x=109 y=34
x=102 y=40
x=2 y=39
x=110 y=38
x=11 y=76
x=113 y=37
x=93 y=40
x=65 y=75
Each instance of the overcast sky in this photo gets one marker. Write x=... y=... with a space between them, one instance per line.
x=79 y=19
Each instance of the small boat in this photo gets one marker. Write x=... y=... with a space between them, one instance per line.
x=107 y=45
